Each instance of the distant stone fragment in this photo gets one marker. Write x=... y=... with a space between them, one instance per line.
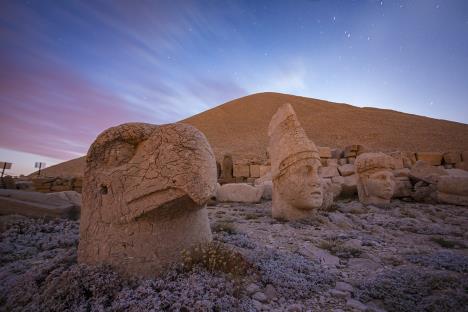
x=239 y=192
x=347 y=170
x=295 y=161
x=144 y=195
x=40 y=205
x=376 y=183
x=423 y=171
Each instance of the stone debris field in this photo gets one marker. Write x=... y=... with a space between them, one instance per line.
x=404 y=257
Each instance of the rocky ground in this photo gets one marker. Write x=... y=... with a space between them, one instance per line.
x=404 y=257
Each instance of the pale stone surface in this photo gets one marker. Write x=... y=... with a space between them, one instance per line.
x=240 y=192
x=241 y=171
x=347 y=170
x=328 y=172
x=453 y=190
x=331 y=162
x=452 y=157
x=295 y=161
x=376 y=183
x=422 y=170
x=457 y=172
x=265 y=169
x=432 y=158
x=144 y=195
x=40 y=205
x=462 y=165
x=324 y=152
x=255 y=171
x=349 y=186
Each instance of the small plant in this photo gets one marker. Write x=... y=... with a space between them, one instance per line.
x=226 y=227
x=251 y=216
x=337 y=248
x=446 y=243
x=216 y=257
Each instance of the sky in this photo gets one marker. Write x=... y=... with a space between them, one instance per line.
x=71 y=69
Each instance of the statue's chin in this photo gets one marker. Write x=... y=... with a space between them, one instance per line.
x=310 y=204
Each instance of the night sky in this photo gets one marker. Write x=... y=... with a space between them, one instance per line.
x=70 y=69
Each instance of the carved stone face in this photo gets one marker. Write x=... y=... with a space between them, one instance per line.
x=380 y=184
x=300 y=186
x=377 y=187
x=144 y=191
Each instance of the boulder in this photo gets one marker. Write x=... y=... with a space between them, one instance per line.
x=453 y=190
x=328 y=172
x=144 y=195
x=39 y=205
x=452 y=157
x=240 y=192
x=347 y=170
x=423 y=171
x=432 y=158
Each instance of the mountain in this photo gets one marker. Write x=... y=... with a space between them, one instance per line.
x=239 y=127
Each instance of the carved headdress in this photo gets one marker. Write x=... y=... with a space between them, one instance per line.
x=288 y=141
x=369 y=162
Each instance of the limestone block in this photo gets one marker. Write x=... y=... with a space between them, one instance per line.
x=241 y=170
x=409 y=159
x=349 y=186
x=453 y=190
x=145 y=190
x=255 y=171
x=421 y=170
x=398 y=159
x=452 y=157
x=38 y=205
x=354 y=150
x=331 y=162
x=432 y=158
x=297 y=187
x=324 y=152
x=457 y=172
x=342 y=161
x=337 y=153
x=240 y=192
x=264 y=169
x=347 y=170
x=328 y=172
x=338 y=180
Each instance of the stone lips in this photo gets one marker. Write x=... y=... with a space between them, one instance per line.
x=144 y=192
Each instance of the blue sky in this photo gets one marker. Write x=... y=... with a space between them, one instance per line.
x=71 y=69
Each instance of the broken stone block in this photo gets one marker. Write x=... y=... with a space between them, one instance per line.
x=403 y=172
x=349 y=186
x=255 y=171
x=403 y=187
x=457 y=172
x=328 y=172
x=422 y=171
x=241 y=170
x=239 y=192
x=432 y=158
x=342 y=161
x=331 y=162
x=452 y=157
x=39 y=205
x=324 y=152
x=453 y=190
x=347 y=170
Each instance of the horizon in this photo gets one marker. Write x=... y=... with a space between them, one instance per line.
x=73 y=69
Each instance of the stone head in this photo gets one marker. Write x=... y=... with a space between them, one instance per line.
x=295 y=161
x=143 y=183
x=376 y=183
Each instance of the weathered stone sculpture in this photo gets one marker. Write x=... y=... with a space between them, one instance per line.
x=144 y=194
x=376 y=183
x=297 y=187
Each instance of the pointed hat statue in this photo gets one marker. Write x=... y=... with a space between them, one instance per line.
x=295 y=160
x=291 y=143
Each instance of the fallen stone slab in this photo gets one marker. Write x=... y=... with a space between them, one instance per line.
x=40 y=205
x=239 y=192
